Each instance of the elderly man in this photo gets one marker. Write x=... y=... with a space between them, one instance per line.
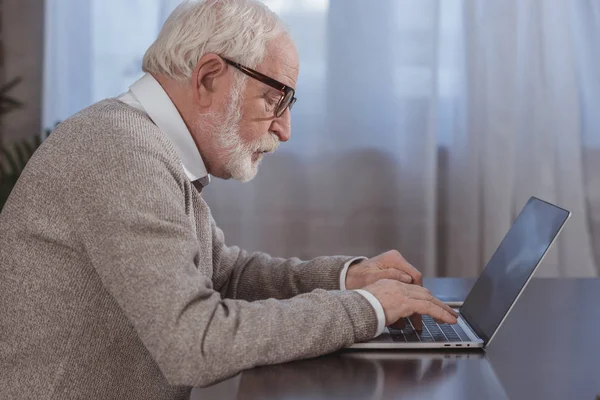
x=116 y=282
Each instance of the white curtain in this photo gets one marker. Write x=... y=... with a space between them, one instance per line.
x=421 y=125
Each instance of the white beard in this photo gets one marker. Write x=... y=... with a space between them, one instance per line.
x=240 y=165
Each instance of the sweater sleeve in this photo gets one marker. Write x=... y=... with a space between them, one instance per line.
x=132 y=221
x=256 y=276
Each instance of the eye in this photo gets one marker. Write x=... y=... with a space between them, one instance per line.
x=270 y=102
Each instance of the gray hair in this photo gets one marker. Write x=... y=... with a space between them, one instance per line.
x=237 y=29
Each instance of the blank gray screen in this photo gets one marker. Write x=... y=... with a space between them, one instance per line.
x=511 y=265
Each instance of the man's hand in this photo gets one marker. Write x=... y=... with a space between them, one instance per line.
x=400 y=300
x=389 y=265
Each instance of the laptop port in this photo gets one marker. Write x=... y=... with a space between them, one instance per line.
x=447 y=345
x=458 y=345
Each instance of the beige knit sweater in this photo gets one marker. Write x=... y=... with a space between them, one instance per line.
x=115 y=282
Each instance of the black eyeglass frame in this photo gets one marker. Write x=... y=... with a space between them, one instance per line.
x=286 y=91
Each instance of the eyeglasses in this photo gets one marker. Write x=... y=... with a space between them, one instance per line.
x=287 y=93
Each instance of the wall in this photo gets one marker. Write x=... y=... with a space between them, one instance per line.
x=23 y=39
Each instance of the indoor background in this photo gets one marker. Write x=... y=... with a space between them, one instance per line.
x=421 y=125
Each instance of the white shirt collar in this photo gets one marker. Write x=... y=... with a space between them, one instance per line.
x=147 y=95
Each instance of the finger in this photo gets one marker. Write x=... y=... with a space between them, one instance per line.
x=403 y=265
x=444 y=306
x=420 y=293
x=433 y=310
x=418 y=289
x=395 y=274
x=400 y=324
x=417 y=321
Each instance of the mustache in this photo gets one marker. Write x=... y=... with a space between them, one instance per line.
x=268 y=143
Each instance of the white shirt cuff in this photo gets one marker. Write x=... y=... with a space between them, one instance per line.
x=378 y=310
x=345 y=272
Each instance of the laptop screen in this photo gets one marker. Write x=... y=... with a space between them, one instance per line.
x=512 y=264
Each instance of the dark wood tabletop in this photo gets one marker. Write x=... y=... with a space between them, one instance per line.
x=548 y=348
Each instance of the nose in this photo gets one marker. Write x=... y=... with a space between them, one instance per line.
x=281 y=126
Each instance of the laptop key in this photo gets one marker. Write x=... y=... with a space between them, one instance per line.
x=410 y=335
x=437 y=334
x=454 y=333
x=425 y=336
x=439 y=337
x=398 y=337
x=448 y=330
x=450 y=333
x=434 y=329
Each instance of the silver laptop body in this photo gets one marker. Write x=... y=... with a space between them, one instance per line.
x=496 y=291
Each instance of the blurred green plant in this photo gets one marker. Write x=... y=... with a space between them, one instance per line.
x=14 y=156
x=13 y=161
x=7 y=103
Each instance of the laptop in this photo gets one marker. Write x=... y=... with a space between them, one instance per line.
x=496 y=291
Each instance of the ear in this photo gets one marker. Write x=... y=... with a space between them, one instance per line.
x=208 y=77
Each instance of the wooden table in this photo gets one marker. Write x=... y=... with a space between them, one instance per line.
x=548 y=348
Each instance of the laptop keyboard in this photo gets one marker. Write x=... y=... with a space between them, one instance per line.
x=432 y=332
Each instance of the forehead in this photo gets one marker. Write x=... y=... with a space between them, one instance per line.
x=281 y=61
